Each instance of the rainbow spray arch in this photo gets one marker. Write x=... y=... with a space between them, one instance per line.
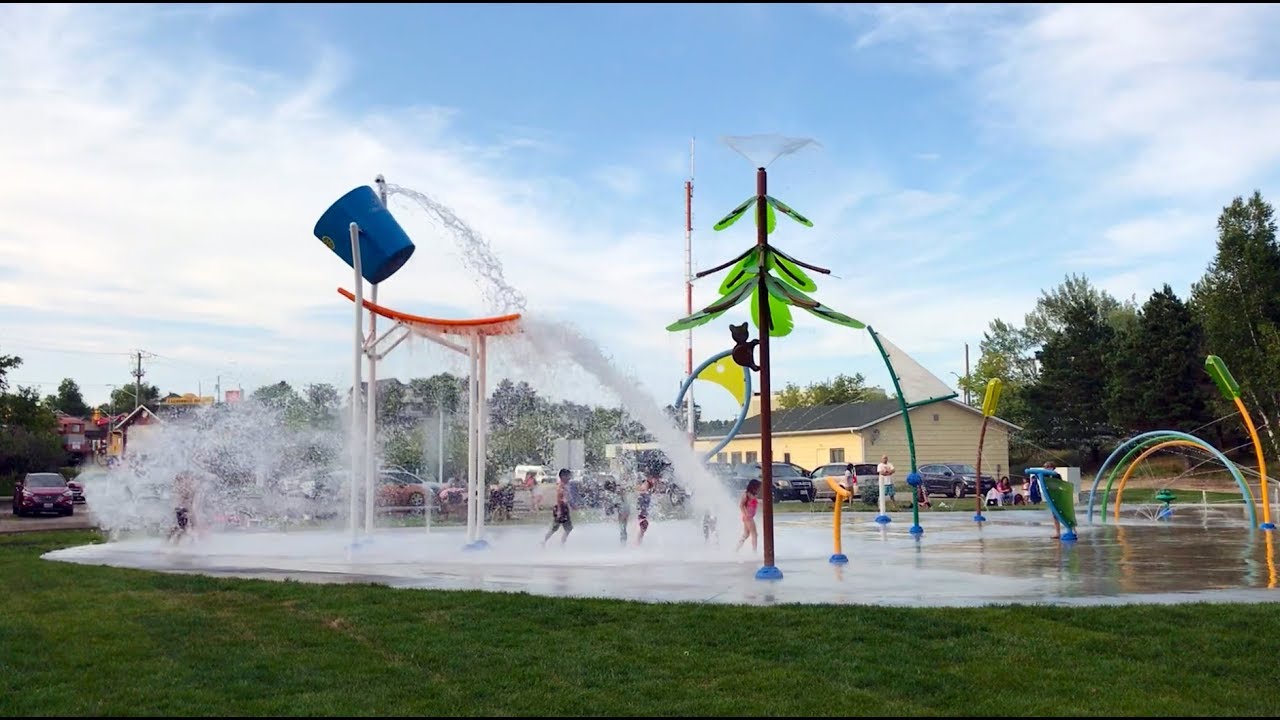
x=1134 y=450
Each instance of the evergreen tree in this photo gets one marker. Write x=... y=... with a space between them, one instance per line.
x=1238 y=304
x=1157 y=376
x=1067 y=406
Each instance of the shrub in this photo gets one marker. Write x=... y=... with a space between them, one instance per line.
x=869 y=493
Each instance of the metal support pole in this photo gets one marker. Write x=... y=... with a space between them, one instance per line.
x=769 y=571
x=482 y=454
x=371 y=399
x=371 y=419
x=356 y=435
x=471 y=443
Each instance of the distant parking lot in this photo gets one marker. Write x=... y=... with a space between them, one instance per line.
x=10 y=523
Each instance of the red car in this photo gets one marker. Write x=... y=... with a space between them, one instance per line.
x=42 y=493
x=77 y=490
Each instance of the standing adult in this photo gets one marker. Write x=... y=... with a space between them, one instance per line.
x=885 y=471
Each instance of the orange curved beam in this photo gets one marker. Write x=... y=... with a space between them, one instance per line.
x=1145 y=454
x=501 y=325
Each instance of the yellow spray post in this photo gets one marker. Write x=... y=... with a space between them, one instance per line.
x=838 y=557
x=989 y=403
x=1217 y=370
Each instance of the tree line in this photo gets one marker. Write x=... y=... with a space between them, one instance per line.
x=29 y=440
x=1084 y=369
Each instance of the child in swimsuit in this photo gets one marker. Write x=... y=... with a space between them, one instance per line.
x=560 y=513
x=616 y=504
x=709 y=527
x=644 y=498
x=185 y=491
x=747 y=504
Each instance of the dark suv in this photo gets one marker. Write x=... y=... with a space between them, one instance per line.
x=42 y=493
x=954 y=479
x=790 y=482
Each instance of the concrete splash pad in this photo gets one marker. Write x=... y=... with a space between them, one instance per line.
x=1203 y=555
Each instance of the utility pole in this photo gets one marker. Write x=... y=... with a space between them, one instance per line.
x=692 y=424
x=137 y=383
x=137 y=377
x=966 y=373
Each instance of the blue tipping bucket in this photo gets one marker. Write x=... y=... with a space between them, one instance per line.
x=384 y=246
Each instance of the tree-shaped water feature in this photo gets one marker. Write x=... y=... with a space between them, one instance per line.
x=775 y=282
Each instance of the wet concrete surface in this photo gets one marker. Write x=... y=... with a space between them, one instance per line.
x=1201 y=555
x=9 y=523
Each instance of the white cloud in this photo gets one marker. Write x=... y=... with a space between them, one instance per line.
x=147 y=188
x=1173 y=101
x=1145 y=238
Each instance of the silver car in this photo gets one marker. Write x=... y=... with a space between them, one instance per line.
x=863 y=472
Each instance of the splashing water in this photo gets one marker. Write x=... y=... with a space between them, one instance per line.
x=500 y=296
x=250 y=468
x=755 y=148
x=551 y=338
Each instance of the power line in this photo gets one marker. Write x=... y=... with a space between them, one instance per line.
x=22 y=344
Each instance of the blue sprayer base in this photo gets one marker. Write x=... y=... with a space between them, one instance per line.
x=1268 y=526
x=979 y=518
x=480 y=544
x=839 y=559
x=883 y=519
x=1069 y=536
x=769 y=572
x=916 y=530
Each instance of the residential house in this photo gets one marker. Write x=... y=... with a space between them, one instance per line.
x=72 y=430
x=945 y=431
x=134 y=424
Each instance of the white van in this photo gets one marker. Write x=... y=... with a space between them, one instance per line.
x=539 y=473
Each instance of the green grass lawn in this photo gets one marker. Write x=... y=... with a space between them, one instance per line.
x=79 y=640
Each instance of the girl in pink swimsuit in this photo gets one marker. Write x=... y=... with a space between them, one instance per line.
x=750 y=500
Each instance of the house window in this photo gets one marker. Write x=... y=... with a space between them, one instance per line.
x=751 y=457
x=936 y=417
x=736 y=458
x=786 y=458
x=721 y=457
x=837 y=455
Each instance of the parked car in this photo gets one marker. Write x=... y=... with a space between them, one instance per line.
x=38 y=493
x=790 y=482
x=954 y=479
x=865 y=473
x=399 y=488
x=77 y=490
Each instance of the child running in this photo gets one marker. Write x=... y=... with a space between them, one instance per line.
x=560 y=513
x=184 y=490
x=644 y=498
x=747 y=504
x=616 y=504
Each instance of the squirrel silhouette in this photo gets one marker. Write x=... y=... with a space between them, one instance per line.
x=744 y=349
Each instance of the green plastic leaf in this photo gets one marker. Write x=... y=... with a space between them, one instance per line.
x=738 y=295
x=735 y=215
x=702 y=317
x=836 y=317
x=743 y=270
x=790 y=295
x=789 y=272
x=714 y=310
x=770 y=220
x=786 y=210
x=781 y=323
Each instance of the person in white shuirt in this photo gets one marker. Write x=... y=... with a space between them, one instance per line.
x=885 y=470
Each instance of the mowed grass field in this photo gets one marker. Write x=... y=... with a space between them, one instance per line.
x=82 y=640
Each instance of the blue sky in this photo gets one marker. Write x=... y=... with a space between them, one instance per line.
x=164 y=165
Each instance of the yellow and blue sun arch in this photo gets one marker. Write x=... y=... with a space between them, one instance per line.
x=723 y=371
